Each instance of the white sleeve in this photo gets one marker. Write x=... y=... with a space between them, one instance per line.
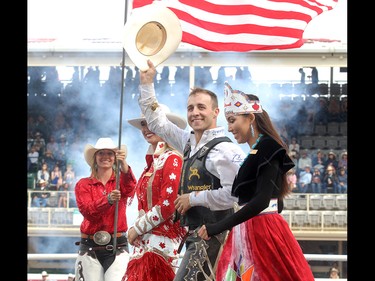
x=148 y=221
x=157 y=120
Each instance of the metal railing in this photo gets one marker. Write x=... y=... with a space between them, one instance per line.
x=310 y=212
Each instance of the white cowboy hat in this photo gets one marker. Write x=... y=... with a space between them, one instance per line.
x=44 y=273
x=151 y=32
x=174 y=118
x=101 y=143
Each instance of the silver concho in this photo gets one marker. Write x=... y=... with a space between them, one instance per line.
x=102 y=237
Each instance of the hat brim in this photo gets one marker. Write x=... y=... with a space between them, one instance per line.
x=174 y=118
x=151 y=32
x=90 y=151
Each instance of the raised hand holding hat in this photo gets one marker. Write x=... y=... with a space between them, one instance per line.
x=152 y=32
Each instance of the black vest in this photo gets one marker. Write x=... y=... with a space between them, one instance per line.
x=195 y=177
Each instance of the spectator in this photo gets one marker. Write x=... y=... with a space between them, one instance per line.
x=42 y=126
x=316 y=183
x=318 y=161
x=304 y=180
x=62 y=153
x=314 y=75
x=52 y=145
x=343 y=161
x=49 y=159
x=43 y=173
x=40 y=199
x=334 y=273
x=39 y=142
x=33 y=160
x=294 y=145
x=294 y=155
x=303 y=76
x=291 y=178
x=303 y=161
x=69 y=175
x=45 y=275
x=334 y=110
x=344 y=110
x=63 y=195
x=331 y=160
x=343 y=181
x=330 y=180
x=56 y=178
x=321 y=112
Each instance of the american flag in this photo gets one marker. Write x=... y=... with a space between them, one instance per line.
x=244 y=25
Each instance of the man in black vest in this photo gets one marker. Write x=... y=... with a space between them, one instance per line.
x=211 y=162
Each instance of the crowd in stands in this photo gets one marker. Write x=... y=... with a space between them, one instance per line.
x=58 y=120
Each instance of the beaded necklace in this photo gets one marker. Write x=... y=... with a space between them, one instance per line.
x=252 y=147
x=256 y=142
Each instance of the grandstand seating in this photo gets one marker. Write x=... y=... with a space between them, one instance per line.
x=343 y=142
x=289 y=202
x=287 y=215
x=299 y=218
x=333 y=128
x=335 y=89
x=39 y=216
x=320 y=129
x=342 y=201
x=307 y=142
x=320 y=142
x=329 y=202
x=332 y=142
x=61 y=216
x=328 y=218
x=341 y=218
x=314 y=218
x=301 y=202
x=316 y=201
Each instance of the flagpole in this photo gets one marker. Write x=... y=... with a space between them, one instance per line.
x=118 y=170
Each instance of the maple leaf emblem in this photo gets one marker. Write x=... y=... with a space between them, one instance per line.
x=172 y=176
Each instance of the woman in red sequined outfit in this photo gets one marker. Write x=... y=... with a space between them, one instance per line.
x=155 y=235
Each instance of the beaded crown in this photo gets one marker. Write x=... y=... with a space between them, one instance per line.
x=237 y=102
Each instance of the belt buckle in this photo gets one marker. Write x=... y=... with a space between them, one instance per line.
x=102 y=237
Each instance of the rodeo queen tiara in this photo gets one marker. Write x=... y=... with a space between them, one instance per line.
x=237 y=102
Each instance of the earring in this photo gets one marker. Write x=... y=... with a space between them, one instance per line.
x=252 y=130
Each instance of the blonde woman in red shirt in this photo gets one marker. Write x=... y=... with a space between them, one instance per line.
x=98 y=199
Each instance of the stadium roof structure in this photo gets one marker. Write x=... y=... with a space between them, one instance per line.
x=88 y=32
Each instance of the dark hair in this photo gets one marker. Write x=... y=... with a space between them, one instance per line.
x=196 y=90
x=266 y=127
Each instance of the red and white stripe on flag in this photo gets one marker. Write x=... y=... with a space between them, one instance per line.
x=244 y=25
